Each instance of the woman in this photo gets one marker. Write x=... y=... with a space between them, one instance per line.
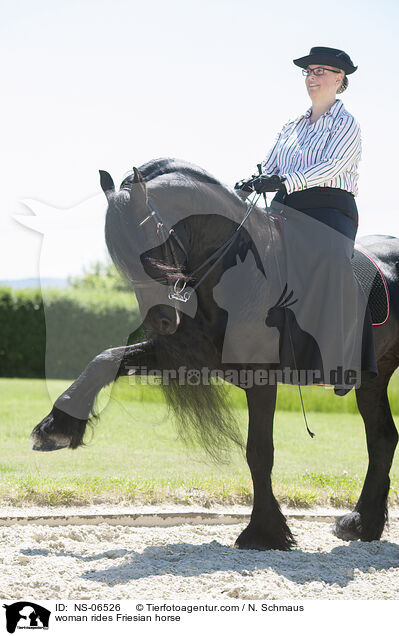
x=314 y=161
x=313 y=164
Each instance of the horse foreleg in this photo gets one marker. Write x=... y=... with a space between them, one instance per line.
x=66 y=423
x=267 y=529
x=367 y=520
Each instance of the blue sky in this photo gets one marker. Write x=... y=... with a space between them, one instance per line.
x=101 y=84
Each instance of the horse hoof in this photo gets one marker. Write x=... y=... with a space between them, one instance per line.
x=49 y=445
x=49 y=442
x=261 y=539
x=364 y=526
x=349 y=527
x=43 y=440
x=57 y=430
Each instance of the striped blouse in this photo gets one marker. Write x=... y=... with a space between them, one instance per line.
x=323 y=154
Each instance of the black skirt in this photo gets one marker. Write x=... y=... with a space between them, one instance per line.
x=332 y=206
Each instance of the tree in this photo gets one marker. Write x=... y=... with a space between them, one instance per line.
x=100 y=276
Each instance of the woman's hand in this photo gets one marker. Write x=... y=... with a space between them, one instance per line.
x=263 y=183
x=245 y=184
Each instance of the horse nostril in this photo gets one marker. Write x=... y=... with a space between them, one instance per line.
x=164 y=322
x=166 y=326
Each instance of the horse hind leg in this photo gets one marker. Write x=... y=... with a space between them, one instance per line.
x=368 y=519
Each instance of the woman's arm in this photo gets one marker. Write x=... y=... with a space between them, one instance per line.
x=343 y=150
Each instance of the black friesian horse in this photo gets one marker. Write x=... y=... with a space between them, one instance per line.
x=204 y=214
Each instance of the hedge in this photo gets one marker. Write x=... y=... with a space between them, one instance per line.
x=56 y=334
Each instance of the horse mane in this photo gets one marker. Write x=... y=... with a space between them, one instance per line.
x=193 y=175
x=168 y=165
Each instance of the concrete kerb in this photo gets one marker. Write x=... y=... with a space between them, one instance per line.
x=155 y=518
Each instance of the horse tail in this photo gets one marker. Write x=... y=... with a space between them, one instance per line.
x=200 y=401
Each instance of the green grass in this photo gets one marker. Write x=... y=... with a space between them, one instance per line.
x=135 y=455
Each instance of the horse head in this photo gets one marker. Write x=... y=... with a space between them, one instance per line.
x=133 y=232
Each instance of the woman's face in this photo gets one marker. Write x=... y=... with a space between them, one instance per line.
x=323 y=85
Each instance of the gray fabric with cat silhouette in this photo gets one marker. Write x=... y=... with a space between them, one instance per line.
x=304 y=316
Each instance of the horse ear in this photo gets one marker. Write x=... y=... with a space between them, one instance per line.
x=138 y=191
x=107 y=184
x=138 y=177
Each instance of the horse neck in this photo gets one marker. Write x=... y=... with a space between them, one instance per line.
x=207 y=234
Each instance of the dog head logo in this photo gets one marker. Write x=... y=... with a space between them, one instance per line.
x=26 y=615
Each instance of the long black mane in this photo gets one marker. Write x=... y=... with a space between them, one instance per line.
x=158 y=167
x=184 y=173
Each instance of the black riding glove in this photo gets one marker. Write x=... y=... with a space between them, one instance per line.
x=245 y=184
x=263 y=183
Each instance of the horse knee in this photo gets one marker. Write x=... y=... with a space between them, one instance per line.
x=106 y=365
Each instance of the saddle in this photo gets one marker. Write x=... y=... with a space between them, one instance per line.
x=374 y=285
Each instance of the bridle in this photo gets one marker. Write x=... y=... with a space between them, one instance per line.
x=179 y=291
x=165 y=232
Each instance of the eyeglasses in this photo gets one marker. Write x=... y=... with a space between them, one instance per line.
x=319 y=71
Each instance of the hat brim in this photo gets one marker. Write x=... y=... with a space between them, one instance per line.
x=330 y=60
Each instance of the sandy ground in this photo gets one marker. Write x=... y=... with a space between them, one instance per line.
x=106 y=561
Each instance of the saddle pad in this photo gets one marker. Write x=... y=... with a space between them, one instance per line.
x=370 y=277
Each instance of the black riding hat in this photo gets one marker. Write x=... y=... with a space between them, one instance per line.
x=325 y=55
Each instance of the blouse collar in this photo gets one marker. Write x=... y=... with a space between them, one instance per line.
x=333 y=110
